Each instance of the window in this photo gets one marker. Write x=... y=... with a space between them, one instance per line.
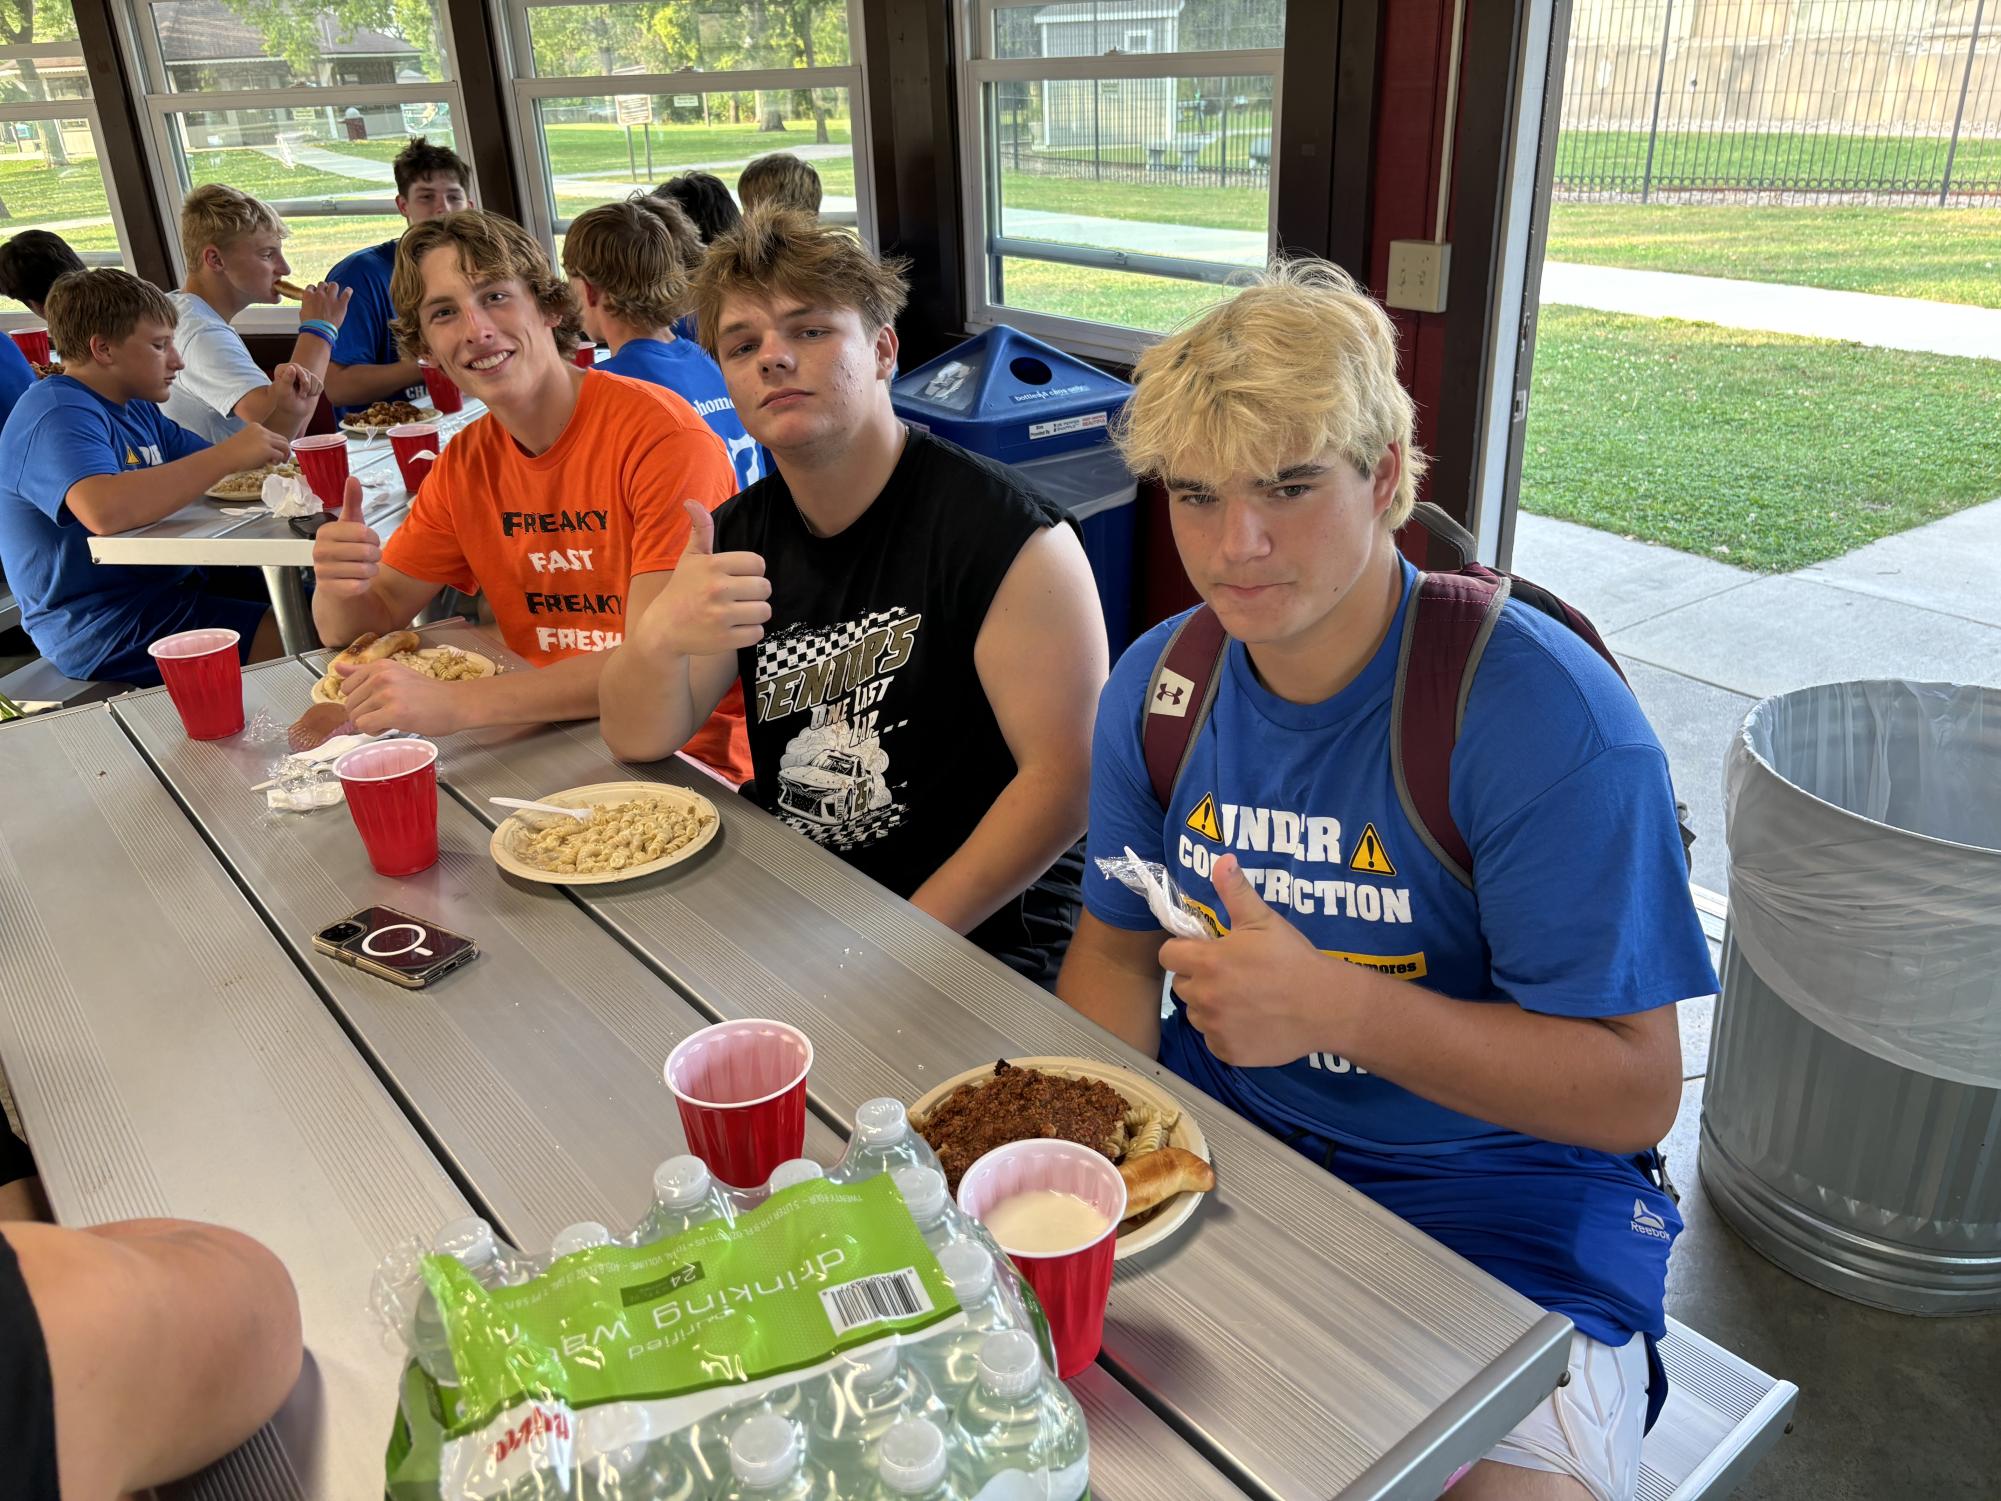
x=613 y=97
x=1122 y=155
x=51 y=159
x=303 y=106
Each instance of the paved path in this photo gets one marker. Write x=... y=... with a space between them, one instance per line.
x=1702 y=641
x=1861 y=317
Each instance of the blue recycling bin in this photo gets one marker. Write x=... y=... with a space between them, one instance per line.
x=1048 y=414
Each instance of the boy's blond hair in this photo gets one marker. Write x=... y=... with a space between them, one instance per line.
x=1300 y=360
x=782 y=252
x=101 y=303
x=626 y=251
x=219 y=215
x=489 y=247
x=781 y=180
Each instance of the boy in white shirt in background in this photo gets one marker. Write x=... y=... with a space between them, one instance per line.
x=233 y=245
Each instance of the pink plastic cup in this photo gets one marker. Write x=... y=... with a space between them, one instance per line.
x=586 y=356
x=1073 y=1286
x=392 y=791
x=204 y=678
x=741 y=1088
x=416 y=447
x=34 y=343
x=445 y=396
x=323 y=461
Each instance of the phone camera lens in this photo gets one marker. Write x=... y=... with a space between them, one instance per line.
x=340 y=932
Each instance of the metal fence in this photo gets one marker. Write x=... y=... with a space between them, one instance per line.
x=1782 y=100
x=1206 y=132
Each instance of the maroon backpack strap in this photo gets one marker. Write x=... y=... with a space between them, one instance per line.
x=1179 y=697
x=1452 y=616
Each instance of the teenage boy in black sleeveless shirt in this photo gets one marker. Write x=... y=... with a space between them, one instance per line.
x=916 y=630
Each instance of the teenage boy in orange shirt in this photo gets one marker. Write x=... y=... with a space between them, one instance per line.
x=563 y=505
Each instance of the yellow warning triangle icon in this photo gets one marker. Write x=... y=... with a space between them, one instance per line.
x=1203 y=819
x=1370 y=854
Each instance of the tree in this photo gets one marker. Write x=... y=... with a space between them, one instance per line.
x=23 y=22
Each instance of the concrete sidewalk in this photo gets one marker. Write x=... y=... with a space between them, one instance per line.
x=1815 y=312
x=1702 y=641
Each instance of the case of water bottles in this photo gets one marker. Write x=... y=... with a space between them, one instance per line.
x=836 y=1334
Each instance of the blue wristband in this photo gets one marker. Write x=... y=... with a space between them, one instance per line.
x=318 y=326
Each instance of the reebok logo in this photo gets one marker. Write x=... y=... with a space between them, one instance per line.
x=1646 y=1222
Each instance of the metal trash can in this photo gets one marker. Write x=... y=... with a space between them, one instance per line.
x=1851 y=1123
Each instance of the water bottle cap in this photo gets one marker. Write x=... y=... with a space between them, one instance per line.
x=969 y=1267
x=616 y=1425
x=911 y=1456
x=468 y=1241
x=879 y=1123
x=923 y=1189
x=581 y=1236
x=798 y=1170
x=1009 y=1364
x=765 y=1451
x=680 y=1182
x=872 y=1368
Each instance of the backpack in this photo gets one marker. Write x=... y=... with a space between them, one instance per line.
x=1452 y=614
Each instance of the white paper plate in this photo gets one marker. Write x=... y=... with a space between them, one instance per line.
x=1159 y=1222
x=524 y=825
x=254 y=498
x=325 y=695
x=359 y=430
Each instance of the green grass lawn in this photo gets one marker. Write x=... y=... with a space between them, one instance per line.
x=1156 y=303
x=1952 y=255
x=1770 y=159
x=1761 y=450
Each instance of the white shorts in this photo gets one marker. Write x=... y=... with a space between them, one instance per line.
x=1590 y=1427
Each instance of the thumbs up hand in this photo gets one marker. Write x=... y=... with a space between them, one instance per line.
x=1261 y=995
x=714 y=602
x=347 y=554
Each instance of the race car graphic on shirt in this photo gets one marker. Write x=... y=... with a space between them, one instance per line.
x=833 y=779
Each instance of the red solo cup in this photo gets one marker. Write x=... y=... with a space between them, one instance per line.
x=741 y=1087
x=34 y=343
x=323 y=460
x=1074 y=1285
x=586 y=356
x=204 y=678
x=445 y=396
x=392 y=791
x=416 y=446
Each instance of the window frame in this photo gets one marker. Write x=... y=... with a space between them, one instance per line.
x=158 y=103
x=979 y=168
x=84 y=108
x=527 y=89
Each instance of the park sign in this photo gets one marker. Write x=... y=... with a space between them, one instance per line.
x=633 y=109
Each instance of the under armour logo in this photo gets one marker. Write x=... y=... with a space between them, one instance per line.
x=1171 y=695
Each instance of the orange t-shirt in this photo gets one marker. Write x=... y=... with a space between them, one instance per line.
x=554 y=540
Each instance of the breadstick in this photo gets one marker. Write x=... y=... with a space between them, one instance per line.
x=1159 y=1176
x=291 y=289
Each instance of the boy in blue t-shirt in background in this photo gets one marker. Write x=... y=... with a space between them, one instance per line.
x=627 y=263
x=87 y=453
x=366 y=366
x=1493 y=1061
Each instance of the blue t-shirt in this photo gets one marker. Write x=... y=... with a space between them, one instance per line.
x=82 y=614
x=17 y=377
x=368 y=334
x=687 y=371
x=1581 y=908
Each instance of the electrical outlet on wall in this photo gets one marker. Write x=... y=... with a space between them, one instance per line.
x=1417 y=274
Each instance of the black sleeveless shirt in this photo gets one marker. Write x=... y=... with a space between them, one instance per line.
x=869 y=730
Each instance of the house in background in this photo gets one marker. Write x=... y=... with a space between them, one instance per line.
x=1112 y=114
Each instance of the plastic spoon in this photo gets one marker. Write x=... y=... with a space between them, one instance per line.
x=581 y=815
